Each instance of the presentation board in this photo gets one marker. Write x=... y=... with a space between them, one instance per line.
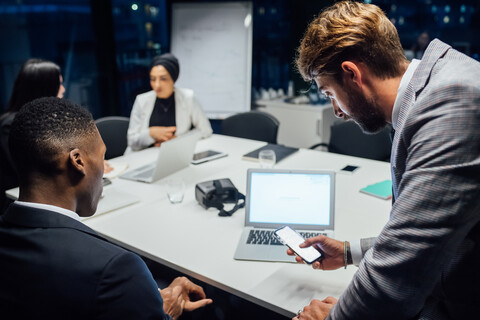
x=213 y=43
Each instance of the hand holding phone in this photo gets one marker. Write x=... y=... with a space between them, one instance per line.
x=293 y=239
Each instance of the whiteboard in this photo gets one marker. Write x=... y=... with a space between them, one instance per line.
x=213 y=43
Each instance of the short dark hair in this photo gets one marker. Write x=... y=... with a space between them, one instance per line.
x=37 y=78
x=44 y=128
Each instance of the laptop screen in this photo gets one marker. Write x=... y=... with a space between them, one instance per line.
x=290 y=197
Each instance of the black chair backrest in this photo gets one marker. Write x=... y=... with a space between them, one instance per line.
x=114 y=133
x=8 y=171
x=253 y=125
x=347 y=138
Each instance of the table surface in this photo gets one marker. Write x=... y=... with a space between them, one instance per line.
x=200 y=244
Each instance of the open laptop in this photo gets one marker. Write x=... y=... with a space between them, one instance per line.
x=173 y=155
x=302 y=199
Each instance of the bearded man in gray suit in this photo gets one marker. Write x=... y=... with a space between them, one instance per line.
x=425 y=264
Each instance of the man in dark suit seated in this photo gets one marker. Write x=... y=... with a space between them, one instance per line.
x=52 y=266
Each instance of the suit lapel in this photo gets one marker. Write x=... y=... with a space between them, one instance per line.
x=148 y=106
x=434 y=52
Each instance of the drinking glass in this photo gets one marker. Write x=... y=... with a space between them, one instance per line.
x=267 y=158
x=175 y=190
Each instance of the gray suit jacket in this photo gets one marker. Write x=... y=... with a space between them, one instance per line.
x=425 y=264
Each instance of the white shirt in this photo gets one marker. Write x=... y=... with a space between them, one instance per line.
x=50 y=207
x=355 y=247
x=407 y=76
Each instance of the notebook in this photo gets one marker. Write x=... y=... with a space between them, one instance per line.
x=382 y=190
x=173 y=155
x=281 y=152
x=302 y=199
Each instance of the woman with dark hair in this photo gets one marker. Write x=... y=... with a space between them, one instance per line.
x=165 y=111
x=37 y=78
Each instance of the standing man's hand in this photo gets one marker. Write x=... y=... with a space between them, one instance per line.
x=182 y=294
x=317 y=310
x=333 y=256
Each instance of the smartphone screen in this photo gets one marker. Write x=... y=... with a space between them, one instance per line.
x=208 y=155
x=205 y=154
x=292 y=239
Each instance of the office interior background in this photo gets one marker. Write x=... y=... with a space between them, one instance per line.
x=104 y=47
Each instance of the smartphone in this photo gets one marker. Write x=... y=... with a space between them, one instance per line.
x=106 y=181
x=349 y=169
x=208 y=155
x=293 y=239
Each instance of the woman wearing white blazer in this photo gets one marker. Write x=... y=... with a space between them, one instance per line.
x=165 y=112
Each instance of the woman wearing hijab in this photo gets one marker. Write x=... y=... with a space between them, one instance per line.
x=166 y=111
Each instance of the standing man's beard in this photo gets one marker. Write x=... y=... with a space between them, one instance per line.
x=365 y=113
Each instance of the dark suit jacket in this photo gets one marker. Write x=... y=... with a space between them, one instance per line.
x=54 y=267
x=425 y=264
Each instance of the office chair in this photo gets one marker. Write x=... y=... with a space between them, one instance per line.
x=114 y=133
x=253 y=125
x=347 y=138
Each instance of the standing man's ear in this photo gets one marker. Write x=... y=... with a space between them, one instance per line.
x=76 y=160
x=352 y=73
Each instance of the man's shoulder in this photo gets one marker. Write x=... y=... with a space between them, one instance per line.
x=464 y=71
x=82 y=270
x=50 y=229
x=446 y=73
x=88 y=245
x=453 y=79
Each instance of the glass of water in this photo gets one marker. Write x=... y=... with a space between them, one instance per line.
x=267 y=158
x=175 y=190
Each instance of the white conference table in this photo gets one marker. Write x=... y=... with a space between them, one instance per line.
x=200 y=244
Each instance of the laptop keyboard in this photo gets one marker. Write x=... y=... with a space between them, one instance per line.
x=145 y=172
x=267 y=237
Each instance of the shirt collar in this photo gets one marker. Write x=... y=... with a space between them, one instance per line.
x=407 y=76
x=49 y=207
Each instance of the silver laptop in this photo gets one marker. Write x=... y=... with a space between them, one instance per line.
x=173 y=155
x=302 y=199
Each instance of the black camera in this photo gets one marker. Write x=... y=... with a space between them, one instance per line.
x=215 y=193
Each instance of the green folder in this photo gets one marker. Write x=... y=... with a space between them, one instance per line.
x=382 y=190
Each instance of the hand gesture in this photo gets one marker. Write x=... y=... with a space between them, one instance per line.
x=107 y=167
x=182 y=294
x=173 y=302
x=332 y=252
x=161 y=134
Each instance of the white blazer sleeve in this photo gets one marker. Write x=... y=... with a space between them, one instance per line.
x=138 y=134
